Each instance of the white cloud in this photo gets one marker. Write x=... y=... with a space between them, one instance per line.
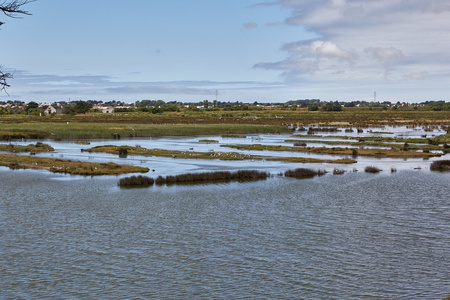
x=330 y=50
x=385 y=54
x=367 y=40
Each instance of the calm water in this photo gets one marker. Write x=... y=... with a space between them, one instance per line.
x=352 y=236
x=357 y=235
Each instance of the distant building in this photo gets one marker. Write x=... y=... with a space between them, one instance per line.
x=107 y=110
x=104 y=109
x=51 y=110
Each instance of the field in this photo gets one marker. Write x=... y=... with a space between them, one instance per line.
x=203 y=122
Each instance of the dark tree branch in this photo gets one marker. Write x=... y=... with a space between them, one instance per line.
x=3 y=83
x=12 y=9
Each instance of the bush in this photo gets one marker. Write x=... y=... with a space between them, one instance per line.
x=136 y=181
x=440 y=165
x=300 y=144
x=338 y=171
x=303 y=173
x=372 y=169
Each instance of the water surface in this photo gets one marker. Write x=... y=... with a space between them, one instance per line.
x=353 y=236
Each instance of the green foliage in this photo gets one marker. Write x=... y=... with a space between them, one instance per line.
x=440 y=106
x=313 y=108
x=332 y=107
x=77 y=107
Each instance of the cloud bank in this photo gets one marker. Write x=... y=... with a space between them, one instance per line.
x=394 y=40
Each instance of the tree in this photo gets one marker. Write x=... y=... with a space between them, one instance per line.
x=31 y=105
x=12 y=9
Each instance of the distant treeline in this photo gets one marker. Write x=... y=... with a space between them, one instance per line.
x=160 y=106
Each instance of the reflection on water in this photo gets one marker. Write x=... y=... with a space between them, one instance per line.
x=353 y=236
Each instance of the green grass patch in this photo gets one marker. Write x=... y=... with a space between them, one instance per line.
x=67 y=166
x=428 y=147
x=131 y=150
x=81 y=130
x=392 y=153
x=33 y=148
x=208 y=141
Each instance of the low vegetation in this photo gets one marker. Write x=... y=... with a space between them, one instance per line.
x=136 y=181
x=303 y=173
x=372 y=169
x=338 y=171
x=440 y=165
x=32 y=148
x=392 y=153
x=130 y=150
x=66 y=166
x=366 y=142
x=206 y=177
x=77 y=129
x=208 y=141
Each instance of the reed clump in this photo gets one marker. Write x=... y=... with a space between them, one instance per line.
x=338 y=171
x=136 y=181
x=242 y=175
x=440 y=165
x=303 y=173
x=372 y=169
x=205 y=177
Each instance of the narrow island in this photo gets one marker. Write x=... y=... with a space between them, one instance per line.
x=66 y=166
x=388 y=153
x=136 y=150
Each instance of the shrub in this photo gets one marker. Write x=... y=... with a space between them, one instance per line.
x=440 y=165
x=123 y=152
x=242 y=175
x=136 y=181
x=372 y=169
x=303 y=173
x=299 y=144
x=338 y=171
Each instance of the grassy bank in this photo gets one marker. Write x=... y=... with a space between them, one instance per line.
x=32 y=148
x=66 y=166
x=278 y=116
x=391 y=153
x=423 y=147
x=77 y=130
x=131 y=150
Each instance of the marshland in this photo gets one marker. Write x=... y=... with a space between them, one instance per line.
x=326 y=207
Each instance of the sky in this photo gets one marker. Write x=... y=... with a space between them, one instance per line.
x=229 y=50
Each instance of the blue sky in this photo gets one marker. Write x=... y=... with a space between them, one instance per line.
x=247 y=50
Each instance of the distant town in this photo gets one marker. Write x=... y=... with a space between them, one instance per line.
x=160 y=106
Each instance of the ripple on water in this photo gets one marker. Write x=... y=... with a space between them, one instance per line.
x=353 y=236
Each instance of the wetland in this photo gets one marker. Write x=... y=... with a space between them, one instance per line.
x=321 y=222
